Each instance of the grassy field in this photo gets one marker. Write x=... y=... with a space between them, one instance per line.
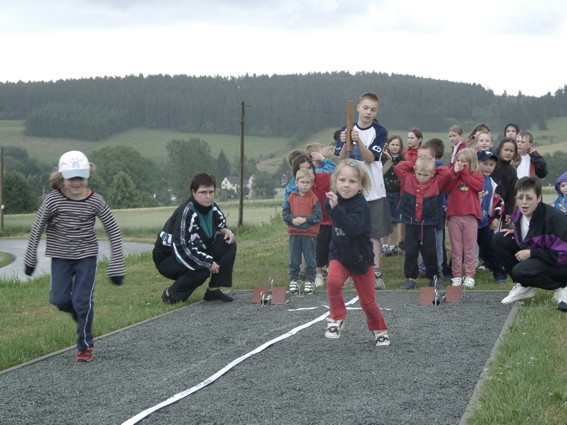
x=269 y=151
x=526 y=383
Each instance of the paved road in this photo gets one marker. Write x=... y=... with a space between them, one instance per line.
x=17 y=248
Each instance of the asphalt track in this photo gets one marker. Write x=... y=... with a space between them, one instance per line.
x=428 y=375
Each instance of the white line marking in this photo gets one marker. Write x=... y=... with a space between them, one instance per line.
x=135 y=419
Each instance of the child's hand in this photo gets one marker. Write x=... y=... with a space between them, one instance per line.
x=494 y=225
x=343 y=136
x=317 y=156
x=333 y=199
x=298 y=221
x=354 y=135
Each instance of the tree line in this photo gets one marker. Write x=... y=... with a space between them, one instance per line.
x=292 y=106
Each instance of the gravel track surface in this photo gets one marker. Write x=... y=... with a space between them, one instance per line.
x=426 y=376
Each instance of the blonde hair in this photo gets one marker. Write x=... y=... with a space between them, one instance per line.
x=314 y=147
x=469 y=156
x=472 y=143
x=363 y=178
x=425 y=164
x=305 y=173
x=56 y=179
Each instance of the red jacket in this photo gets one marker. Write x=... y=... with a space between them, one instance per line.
x=421 y=203
x=463 y=189
x=410 y=154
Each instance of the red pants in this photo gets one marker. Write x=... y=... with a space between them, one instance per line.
x=364 y=284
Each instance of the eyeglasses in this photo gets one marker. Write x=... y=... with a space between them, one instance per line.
x=527 y=198
x=206 y=192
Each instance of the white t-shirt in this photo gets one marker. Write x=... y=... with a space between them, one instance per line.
x=523 y=169
x=374 y=169
x=524 y=226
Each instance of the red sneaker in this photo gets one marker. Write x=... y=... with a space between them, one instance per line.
x=85 y=355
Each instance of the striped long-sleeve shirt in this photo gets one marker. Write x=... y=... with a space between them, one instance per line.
x=70 y=233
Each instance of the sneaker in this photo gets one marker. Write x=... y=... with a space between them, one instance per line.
x=386 y=251
x=468 y=282
x=456 y=281
x=500 y=279
x=379 y=282
x=408 y=284
x=395 y=249
x=319 y=280
x=518 y=293
x=560 y=295
x=168 y=298
x=216 y=295
x=334 y=328
x=381 y=338
x=85 y=355
x=293 y=287
x=435 y=283
x=308 y=288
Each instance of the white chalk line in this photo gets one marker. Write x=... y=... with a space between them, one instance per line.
x=135 y=419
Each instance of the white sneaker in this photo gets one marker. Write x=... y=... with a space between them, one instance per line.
x=334 y=328
x=319 y=280
x=518 y=293
x=381 y=338
x=560 y=295
x=468 y=282
x=308 y=288
x=293 y=287
x=456 y=281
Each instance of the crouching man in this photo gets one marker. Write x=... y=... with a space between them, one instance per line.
x=534 y=252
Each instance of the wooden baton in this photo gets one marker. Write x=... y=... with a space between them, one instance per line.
x=349 y=124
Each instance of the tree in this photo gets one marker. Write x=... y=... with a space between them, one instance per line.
x=111 y=161
x=123 y=193
x=18 y=194
x=264 y=185
x=187 y=158
x=223 y=166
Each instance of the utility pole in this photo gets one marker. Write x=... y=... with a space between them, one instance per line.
x=241 y=203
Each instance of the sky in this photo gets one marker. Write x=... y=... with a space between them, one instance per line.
x=507 y=46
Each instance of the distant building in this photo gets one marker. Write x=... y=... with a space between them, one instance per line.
x=231 y=183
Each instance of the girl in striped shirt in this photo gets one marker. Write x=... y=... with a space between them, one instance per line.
x=68 y=215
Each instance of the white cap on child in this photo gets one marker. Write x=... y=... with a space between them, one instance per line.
x=74 y=164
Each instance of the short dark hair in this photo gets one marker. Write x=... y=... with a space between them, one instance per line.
x=202 y=179
x=438 y=147
x=300 y=159
x=527 y=183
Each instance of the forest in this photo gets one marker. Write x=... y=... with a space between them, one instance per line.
x=292 y=106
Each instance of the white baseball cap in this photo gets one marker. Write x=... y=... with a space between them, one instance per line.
x=74 y=164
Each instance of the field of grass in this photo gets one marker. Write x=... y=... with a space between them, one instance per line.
x=526 y=384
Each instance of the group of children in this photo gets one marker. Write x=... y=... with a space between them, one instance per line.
x=472 y=197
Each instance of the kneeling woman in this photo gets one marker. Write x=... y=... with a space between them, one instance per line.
x=195 y=244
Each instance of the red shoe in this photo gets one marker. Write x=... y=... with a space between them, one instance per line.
x=85 y=355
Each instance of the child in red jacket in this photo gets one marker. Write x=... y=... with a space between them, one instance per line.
x=463 y=213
